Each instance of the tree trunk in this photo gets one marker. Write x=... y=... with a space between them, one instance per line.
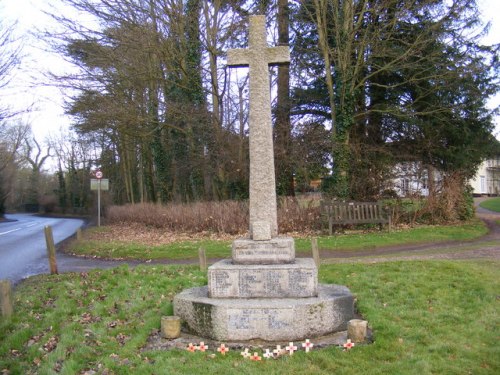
x=283 y=132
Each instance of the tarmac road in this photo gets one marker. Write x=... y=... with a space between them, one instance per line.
x=23 y=250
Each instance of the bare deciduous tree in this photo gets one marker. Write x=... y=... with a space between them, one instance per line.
x=9 y=58
x=11 y=142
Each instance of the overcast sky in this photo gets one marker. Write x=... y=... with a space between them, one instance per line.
x=27 y=85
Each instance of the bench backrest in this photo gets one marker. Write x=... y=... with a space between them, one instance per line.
x=354 y=212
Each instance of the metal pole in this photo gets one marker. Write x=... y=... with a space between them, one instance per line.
x=99 y=204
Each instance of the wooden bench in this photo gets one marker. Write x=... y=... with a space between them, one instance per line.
x=338 y=213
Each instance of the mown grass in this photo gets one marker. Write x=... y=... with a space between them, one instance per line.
x=429 y=317
x=351 y=242
x=492 y=204
x=372 y=240
x=126 y=250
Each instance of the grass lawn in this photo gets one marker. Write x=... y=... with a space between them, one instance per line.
x=222 y=249
x=428 y=317
x=492 y=204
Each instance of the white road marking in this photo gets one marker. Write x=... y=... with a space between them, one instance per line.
x=10 y=231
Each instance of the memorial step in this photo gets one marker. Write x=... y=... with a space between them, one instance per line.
x=274 y=251
x=266 y=319
x=296 y=280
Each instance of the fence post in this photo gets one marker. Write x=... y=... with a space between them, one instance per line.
x=79 y=234
x=51 y=250
x=315 y=252
x=6 y=298
x=203 y=259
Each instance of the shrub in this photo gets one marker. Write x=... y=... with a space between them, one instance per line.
x=220 y=217
x=48 y=203
x=229 y=217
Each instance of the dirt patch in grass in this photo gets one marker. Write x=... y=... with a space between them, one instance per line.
x=148 y=235
x=152 y=236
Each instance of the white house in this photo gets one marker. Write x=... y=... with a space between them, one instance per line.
x=487 y=180
x=411 y=178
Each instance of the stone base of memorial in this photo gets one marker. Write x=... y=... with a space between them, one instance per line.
x=270 y=319
x=276 y=250
x=229 y=280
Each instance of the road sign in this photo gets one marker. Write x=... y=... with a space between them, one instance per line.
x=99 y=184
x=94 y=184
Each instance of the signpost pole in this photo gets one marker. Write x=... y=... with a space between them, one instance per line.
x=99 y=204
x=99 y=176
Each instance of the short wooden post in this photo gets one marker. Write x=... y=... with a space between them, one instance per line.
x=203 y=259
x=6 y=298
x=51 y=250
x=315 y=252
x=79 y=234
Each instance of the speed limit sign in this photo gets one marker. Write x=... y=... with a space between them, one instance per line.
x=98 y=174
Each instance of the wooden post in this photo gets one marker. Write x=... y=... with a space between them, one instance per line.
x=79 y=234
x=6 y=298
x=315 y=252
x=51 y=250
x=203 y=259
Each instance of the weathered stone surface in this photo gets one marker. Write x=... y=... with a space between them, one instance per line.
x=261 y=231
x=266 y=319
x=275 y=250
x=228 y=280
x=264 y=293
x=170 y=326
x=357 y=330
x=258 y=57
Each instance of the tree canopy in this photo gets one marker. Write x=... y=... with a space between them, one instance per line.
x=372 y=83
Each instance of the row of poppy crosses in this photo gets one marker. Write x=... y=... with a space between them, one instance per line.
x=290 y=349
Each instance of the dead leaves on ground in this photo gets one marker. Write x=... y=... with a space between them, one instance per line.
x=87 y=318
x=51 y=344
x=122 y=338
x=149 y=236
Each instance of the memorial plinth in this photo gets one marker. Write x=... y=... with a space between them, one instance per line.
x=297 y=280
x=263 y=292
x=277 y=319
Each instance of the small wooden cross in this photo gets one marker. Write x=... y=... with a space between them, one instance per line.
x=290 y=348
x=278 y=351
x=256 y=357
x=307 y=345
x=245 y=353
x=267 y=354
x=222 y=349
x=348 y=345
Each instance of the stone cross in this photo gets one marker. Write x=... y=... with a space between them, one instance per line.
x=258 y=57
